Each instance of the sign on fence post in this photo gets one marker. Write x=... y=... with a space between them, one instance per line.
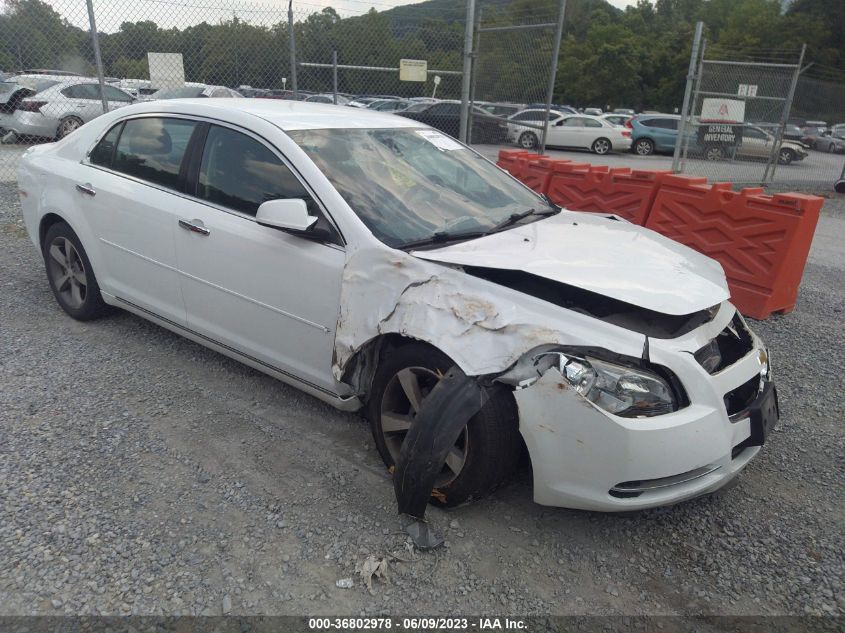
x=413 y=70
x=166 y=70
x=722 y=111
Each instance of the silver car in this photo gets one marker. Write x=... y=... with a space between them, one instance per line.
x=56 y=111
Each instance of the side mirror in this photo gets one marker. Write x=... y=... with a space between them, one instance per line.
x=288 y=215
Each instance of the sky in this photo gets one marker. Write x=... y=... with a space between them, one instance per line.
x=180 y=13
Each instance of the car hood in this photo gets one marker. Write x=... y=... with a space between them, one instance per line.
x=593 y=252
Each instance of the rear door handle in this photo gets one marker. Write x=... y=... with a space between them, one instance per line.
x=195 y=226
x=87 y=189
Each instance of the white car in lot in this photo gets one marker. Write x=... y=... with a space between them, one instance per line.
x=362 y=258
x=568 y=130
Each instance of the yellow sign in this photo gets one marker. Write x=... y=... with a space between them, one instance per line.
x=413 y=70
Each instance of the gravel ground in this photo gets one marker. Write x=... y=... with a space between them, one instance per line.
x=141 y=473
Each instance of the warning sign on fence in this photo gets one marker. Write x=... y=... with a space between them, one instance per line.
x=722 y=111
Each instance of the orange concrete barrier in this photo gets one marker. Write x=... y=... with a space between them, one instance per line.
x=761 y=241
x=509 y=160
x=628 y=194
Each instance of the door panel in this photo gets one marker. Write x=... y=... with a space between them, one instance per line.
x=268 y=294
x=135 y=215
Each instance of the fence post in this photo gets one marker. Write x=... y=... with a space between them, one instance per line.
x=292 y=39
x=696 y=89
x=95 y=41
x=464 y=135
x=682 y=125
x=334 y=77
x=553 y=73
x=474 y=71
x=774 y=158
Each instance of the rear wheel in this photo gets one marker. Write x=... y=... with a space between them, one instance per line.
x=644 y=147
x=786 y=156
x=601 y=146
x=485 y=453
x=70 y=274
x=528 y=140
x=68 y=125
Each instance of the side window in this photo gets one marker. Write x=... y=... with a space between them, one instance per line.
x=152 y=149
x=444 y=109
x=104 y=150
x=82 y=91
x=240 y=173
x=592 y=123
x=113 y=94
x=671 y=124
x=573 y=122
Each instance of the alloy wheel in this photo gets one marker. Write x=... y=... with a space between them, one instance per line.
x=643 y=148
x=68 y=126
x=601 y=146
x=400 y=404
x=68 y=272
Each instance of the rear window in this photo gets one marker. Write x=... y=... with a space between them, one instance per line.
x=33 y=83
x=152 y=149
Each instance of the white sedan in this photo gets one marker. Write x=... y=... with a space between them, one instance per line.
x=363 y=258
x=568 y=130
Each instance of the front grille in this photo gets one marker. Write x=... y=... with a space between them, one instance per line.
x=732 y=343
x=739 y=399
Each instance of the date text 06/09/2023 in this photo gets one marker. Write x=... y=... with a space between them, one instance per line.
x=417 y=624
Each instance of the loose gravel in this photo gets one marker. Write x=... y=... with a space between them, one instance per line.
x=141 y=473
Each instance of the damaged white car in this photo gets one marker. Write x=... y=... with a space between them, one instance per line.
x=362 y=256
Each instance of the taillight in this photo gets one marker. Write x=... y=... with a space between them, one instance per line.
x=31 y=106
x=629 y=123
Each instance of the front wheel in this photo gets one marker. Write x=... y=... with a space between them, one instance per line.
x=528 y=140
x=485 y=453
x=70 y=274
x=786 y=156
x=601 y=146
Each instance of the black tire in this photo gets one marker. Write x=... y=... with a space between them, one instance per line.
x=67 y=125
x=91 y=306
x=491 y=439
x=528 y=140
x=786 y=156
x=602 y=146
x=831 y=148
x=713 y=153
x=643 y=147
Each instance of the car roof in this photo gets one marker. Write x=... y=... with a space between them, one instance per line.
x=286 y=115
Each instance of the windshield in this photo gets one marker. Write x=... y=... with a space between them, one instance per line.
x=184 y=92
x=407 y=184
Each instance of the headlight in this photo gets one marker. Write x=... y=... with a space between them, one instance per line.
x=629 y=392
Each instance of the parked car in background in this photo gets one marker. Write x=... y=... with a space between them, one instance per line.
x=388 y=105
x=17 y=88
x=281 y=94
x=811 y=133
x=62 y=107
x=833 y=142
x=627 y=111
x=792 y=132
x=617 y=119
x=328 y=99
x=446 y=116
x=652 y=133
x=820 y=125
x=566 y=130
x=557 y=108
x=757 y=144
x=138 y=88
x=502 y=109
x=593 y=111
x=418 y=106
x=196 y=91
x=252 y=93
x=362 y=102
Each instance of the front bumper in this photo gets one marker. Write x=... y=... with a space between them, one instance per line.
x=585 y=458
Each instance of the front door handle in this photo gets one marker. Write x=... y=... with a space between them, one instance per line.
x=195 y=226
x=87 y=189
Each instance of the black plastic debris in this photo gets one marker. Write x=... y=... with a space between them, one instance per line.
x=443 y=414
